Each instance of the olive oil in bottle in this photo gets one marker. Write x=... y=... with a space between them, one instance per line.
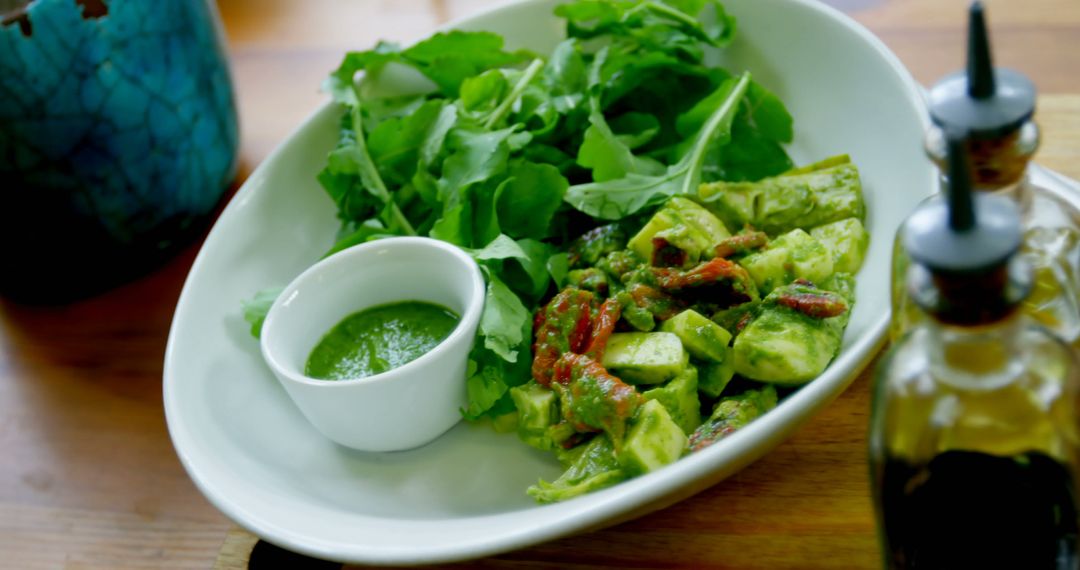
x=974 y=435
x=995 y=108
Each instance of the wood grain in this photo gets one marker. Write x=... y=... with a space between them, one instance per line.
x=88 y=476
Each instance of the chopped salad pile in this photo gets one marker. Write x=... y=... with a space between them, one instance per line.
x=655 y=264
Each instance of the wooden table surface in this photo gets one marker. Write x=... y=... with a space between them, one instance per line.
x=89 y=478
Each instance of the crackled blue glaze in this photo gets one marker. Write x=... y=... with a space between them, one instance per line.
x=116 y=117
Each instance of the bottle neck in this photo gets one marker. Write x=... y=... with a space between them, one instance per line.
x=974 y=322
x=972 y=299
x=982 y=357
x=998 y=164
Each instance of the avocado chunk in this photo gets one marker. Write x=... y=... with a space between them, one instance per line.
x=591 y=247
x=654 y=440
x=794 y=255
x=645 y=358
x=731 y=414
x=734 y=319
x=637 y=317
x=505 y=423
x=684 y=225
x=590 y=279
x=713 y=377
x=680 y=398
x=701 y=337
x=536 y=405
x=847 y=240
x=537 y=411
x=821 y=193
x=843 y=284
x=785 y=346
x=591 y=466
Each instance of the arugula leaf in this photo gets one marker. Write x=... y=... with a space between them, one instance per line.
x=481 y=94
x=369 y=230
x=537 y=111
x=614 y=199
x=588 y=18
x=340 y=178
x=749 y=157
x=558 y=267
x=453 y=225
x=351 y=159
x=691 y=121
x=503 y=320
x=714 y=21
x=488 y=378
x=395 y=144
x=477 y=156
x=434 y=140
x=635 y=129
x=502 y=247
x=758 y=129
x=769 y=114
x=565 y=75
x=520 y=84
x=340 y=83
x=484 y=387
x=449 y=58
x=530 y=198
x=257 y=307
x=528 y=275
x=608 y=156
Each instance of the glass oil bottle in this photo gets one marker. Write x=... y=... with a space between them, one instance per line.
x=974 y=445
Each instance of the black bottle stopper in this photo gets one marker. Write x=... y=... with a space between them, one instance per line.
x=982 y=101
x=964 y=248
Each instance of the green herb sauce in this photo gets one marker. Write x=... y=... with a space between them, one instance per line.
x=378 y=339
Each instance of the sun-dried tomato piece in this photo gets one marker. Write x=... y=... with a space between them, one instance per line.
x=592 y=398
x=717 y=280
x=741 y=244
x=665 y=254
x=603 y=326
x=657 y=302
x=564 y=326
x=816 y=304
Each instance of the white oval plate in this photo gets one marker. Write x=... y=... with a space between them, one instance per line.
x=257 y=459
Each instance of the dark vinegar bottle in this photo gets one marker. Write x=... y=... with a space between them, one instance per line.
x=974 y=435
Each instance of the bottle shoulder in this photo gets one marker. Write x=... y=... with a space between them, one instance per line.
x=1039 y=356
x=919 y=411
x=1045 y=208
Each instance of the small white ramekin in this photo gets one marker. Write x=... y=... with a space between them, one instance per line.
x=401 y=408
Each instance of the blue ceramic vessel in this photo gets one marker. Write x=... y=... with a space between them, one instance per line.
x=118 y=137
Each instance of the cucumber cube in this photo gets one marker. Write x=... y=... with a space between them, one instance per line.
x=714 y=377
x=701 y=337
x=645 y=358
x=680 y=398
x=684 y=224
x=783 y=346
x=822 y=193
x=847 y=240
x=536 y=405
x=654 y=440
x=537 y=411
x=794 y=255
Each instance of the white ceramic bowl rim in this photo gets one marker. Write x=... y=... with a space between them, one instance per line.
x=472 y=313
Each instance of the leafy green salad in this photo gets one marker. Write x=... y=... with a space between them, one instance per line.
x=658 y=271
